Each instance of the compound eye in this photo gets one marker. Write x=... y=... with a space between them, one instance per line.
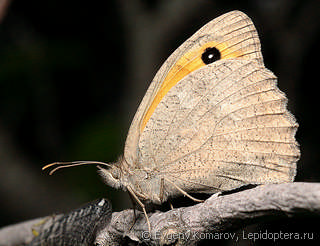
x=115 y=173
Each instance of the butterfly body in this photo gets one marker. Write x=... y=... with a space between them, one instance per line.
x=212 y=119
x=146 y=184
x=212 y=123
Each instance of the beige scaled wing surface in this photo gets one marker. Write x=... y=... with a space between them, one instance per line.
x=222 y=126
x=218 y=127
x=233 y=31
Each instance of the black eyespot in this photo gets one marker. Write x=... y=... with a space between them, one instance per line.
x=210 y=55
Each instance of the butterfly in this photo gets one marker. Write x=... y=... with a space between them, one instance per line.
x=212 y=119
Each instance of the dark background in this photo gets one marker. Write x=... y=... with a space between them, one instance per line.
x=72 y=74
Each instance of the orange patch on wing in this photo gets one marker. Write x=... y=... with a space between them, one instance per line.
x=188 y=63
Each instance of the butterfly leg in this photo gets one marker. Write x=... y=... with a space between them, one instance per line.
x=141 y=205
x=171 y=206
x=184 y=193
x=161 y=193
x=134 y=210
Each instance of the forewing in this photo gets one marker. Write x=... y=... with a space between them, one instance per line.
x=233 y=33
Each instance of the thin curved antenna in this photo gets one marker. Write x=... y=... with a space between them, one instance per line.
x=61 y=165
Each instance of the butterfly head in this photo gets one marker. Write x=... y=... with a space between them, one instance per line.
x=111 y=176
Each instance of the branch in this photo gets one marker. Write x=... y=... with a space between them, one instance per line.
x=79 y=227
x=218 y=213
x=184 y=226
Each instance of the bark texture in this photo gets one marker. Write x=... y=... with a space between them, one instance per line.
x=180 y=226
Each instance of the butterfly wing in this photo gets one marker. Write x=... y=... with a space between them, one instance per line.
x=222 y=126
x=236 y=36
x=214 y=127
